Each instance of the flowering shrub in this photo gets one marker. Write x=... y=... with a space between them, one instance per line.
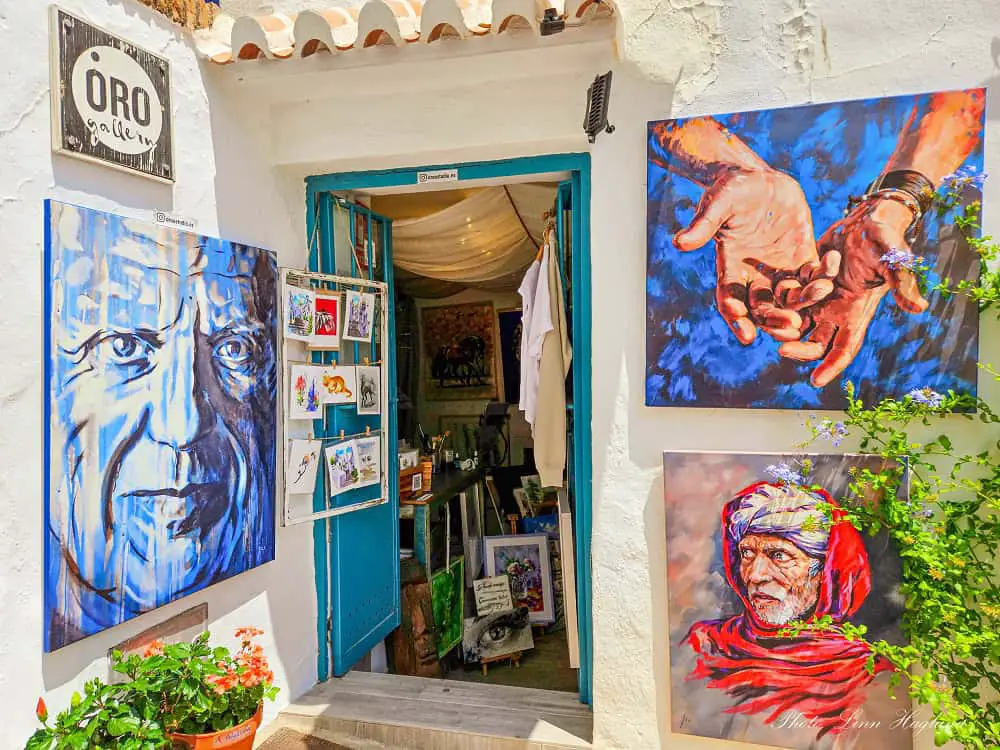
x=186 y=688
x=942 y=507
x=196 y=688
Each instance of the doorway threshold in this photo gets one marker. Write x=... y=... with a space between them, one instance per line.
x=367 y=710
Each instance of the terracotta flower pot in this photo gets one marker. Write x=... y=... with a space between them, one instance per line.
x=239 y=737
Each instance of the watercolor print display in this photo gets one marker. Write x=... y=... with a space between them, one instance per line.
x=300 y=312
x=768 y=286
x=342 y=467
x=359 y=316
x=368 y=452
x=525 y=560
x=497 y=634
x=135 y=463
x=305 y=397
x=369 y=390
x=339 y=384
x=748 y=553
x=326 y=332
x=303 y=462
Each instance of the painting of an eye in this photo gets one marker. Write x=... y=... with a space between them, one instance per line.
x=120 y=350
x=497 y=634
x=124 y=346
x=234 y=351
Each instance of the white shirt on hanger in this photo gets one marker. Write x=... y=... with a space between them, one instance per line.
x=536 y=322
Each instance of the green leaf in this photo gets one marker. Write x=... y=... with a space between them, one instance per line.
x=119 y=726
x=42 y=739
x=942 y=734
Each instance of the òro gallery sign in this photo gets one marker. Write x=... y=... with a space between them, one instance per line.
x=110 y=99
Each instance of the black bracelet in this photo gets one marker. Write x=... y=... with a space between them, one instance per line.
x=907 y=181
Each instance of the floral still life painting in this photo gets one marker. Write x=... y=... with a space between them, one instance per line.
x=305 y=394
x=524 y=559
x=784 y=248
x=755 y=543
x=342 y=467
x=300 y=312
x=326 y=331
x=161 y=393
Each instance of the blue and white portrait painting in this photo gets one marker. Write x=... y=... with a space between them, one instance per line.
x=161 y=378
x=792 y=250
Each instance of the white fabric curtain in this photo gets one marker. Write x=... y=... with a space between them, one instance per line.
x=485 y=241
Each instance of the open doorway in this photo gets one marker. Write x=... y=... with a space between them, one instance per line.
x=481 y=551
x=468 y=507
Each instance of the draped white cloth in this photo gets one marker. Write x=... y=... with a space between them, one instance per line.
x=486 y=240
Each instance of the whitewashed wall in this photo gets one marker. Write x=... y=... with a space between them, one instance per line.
x=686 y=58
x=682 y=59
x=225 y=186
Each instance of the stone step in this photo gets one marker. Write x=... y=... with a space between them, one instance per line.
x=365 y=711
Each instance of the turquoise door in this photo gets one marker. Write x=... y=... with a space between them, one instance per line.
x=574 y=241
x=357 y=551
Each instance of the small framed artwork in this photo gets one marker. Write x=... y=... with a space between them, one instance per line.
x=369 y=390
x=326 y=328
x=497 y=634
x=303 y=462
x=524 y=559
x=359 y=319
x=417 y=482
x=368 y=452
x=448 y=603
x=300 y=312
x=338 y=384
x=511 y=328
x=342 y=467
x=305 y=395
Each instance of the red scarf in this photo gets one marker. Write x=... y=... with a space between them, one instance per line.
x=818 y=674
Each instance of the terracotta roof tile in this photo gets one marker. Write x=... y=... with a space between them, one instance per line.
x=378 y=22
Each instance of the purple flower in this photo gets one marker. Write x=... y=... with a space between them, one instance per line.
x=924 y=512
x=897 y=259
x=785 y=473
x=926 y=397
x=833 y=431
x=964 y=177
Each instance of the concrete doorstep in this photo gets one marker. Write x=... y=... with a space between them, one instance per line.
x=365 y=711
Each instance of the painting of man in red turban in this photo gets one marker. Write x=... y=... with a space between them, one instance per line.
x=786 y=553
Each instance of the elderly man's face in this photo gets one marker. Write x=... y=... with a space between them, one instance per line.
x=163 y=359
x=782 y=581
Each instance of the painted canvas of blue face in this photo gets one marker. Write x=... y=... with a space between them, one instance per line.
x=161 y=403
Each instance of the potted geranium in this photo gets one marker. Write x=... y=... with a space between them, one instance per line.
x=185 y=694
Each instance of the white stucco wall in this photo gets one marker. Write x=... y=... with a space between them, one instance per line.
x=697 y=56
x=223 y=184
x=683 y=59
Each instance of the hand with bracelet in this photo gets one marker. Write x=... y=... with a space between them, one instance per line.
x=872 y=243
x=761 y=224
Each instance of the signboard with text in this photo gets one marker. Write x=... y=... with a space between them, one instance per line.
x=110 y=99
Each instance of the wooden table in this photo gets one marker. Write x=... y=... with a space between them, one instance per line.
x=454 y=495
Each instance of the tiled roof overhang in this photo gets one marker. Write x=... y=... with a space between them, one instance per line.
x=381 y=22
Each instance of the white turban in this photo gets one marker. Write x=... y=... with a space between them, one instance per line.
x=781 y=510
